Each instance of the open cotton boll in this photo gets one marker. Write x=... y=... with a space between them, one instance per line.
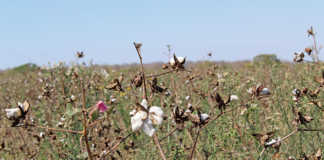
x=204 y=116
x=234 y=97
x=148 y=127
x=13 y=113
x=172 y=61
x=156 y=110
x=181 y=60
x=273 y=141
x=156 y=115
x=137 y=120
x=144 y=103
x=265 y=91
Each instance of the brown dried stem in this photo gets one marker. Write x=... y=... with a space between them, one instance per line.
x=155 y=138
x=195 y=144
x=85 y=122
x=57 y=129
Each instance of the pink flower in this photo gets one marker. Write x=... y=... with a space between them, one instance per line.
x=101 y=106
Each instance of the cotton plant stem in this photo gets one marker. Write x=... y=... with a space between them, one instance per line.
x=157 y=143
x=155 y=138
x=260 y=155
x=85 y=132
x=195 y=144
x=113 y=148
x=138 y=49
x=58 y=129
x=161 y=74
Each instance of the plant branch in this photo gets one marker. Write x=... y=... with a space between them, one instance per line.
x=195 y=144
x=85 y=122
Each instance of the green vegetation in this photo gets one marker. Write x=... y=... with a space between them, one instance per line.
x=227 y=135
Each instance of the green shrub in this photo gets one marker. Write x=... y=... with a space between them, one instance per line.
x=266 y=59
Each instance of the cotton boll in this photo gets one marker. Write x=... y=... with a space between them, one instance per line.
x=144 y=103
x=156 y=110
x=148 y=128
x=204 y=116
x=137 y=120
x=172 y=61
x=13 y=113
x=234 y=97
x=181 y=60
x=265 y=91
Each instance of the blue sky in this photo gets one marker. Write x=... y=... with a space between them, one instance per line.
x=40 y=31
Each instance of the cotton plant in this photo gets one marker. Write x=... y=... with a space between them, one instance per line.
x=177 y=62
x=17 y=114
x=144 y=117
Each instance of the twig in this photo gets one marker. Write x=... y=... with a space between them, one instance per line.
x=195 y=144
x=306 y=129
x=169 y=134
x=85 y=123
x=215 y=118
x=290 y=134
x=261 y=153
x=138 y=49
x=157 y=143
x=161 y=74
x=118 y=143
x=57 y=129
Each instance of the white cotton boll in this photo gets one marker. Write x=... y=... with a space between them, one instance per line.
x=204 y=116
x=113 y=100
x=144 y=103
x=12 y=112
x=157 y=120
x=60 y=124
x=20 y=105
x=265 y=91
x=273 y=141
x=156 y=110
x=133 y=112
x=156 y=115
x=42 y=134
x=73 y=98
x=234 y=97
x=181 y=60
x=187 y=98
x=136 y=122
x=296 y=92
x=172 y=61
x=148 y=128
x=294 y=98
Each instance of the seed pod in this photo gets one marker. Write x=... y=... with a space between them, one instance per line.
x=137 y=81
x=308 y=51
